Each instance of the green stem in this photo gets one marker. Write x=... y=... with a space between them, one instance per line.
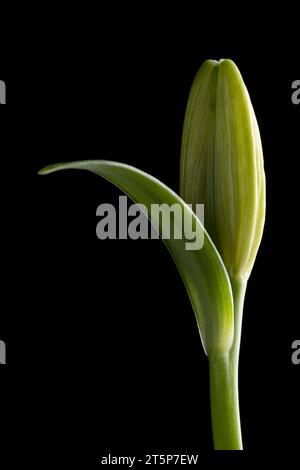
x=224 y=383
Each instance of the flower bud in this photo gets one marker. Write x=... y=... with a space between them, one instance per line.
x=222 y=164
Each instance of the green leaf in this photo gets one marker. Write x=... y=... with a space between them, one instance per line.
x=202 y=271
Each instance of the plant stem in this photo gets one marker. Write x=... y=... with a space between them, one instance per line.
x=224 y=383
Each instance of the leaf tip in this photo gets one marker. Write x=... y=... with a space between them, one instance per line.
x=48 y=169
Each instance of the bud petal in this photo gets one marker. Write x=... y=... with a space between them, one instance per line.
x=222 y=164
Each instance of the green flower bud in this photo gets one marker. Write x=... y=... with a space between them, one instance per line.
x=222 y=164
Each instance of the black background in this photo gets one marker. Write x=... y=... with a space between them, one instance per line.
x=103 y=352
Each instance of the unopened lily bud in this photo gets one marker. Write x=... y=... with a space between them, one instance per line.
x=222 y=164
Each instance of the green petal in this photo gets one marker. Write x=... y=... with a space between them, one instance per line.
x=222 y=164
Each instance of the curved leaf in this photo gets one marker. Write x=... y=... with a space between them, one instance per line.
x=202 y=271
